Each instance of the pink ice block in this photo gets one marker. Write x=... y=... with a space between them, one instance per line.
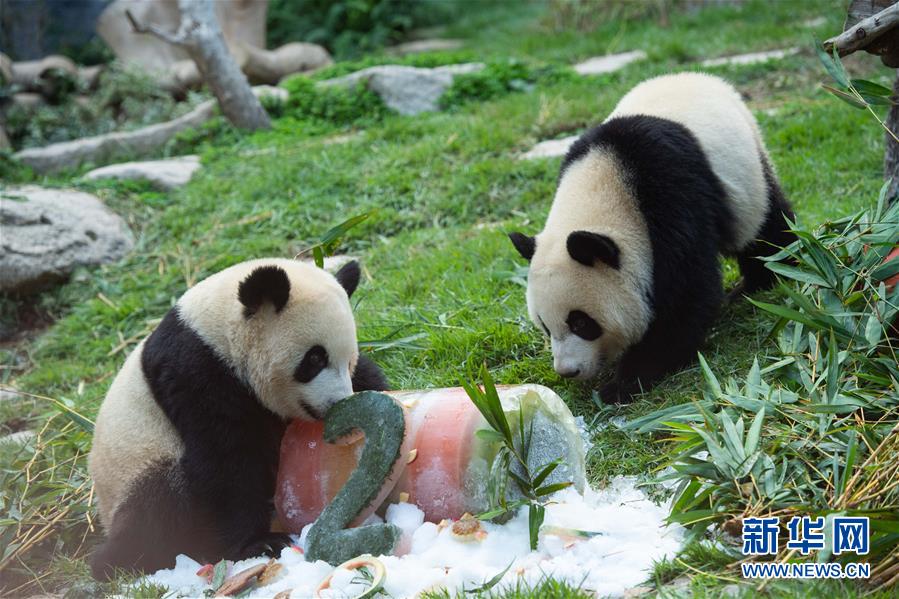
x=443 y=466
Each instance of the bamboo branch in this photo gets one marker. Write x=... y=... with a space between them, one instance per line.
x=864 y=32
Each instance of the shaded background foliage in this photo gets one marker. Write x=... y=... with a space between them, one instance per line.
x=350 y=28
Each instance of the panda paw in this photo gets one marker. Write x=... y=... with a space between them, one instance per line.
x=616 y=392
x=269 y=544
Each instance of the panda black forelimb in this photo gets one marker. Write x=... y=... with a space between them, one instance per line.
x=368 y=376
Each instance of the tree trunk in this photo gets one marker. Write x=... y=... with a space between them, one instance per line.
x=218 y=68
x=891 y=155
x=200 y=35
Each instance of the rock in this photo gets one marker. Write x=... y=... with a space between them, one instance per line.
x=28 y=100
x=27 y=73
x=270 y=66
x=430 y=45
x=103 y=148
x=47 y=233
x=407 y=90
x=242 y=22
x=550 y=148
x=608 y=63
x=164 y=174
x=751 y=58
x=133 y=144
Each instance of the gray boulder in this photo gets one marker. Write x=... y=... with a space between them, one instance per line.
x=164 y=174
x=407 y=90
x=46 y=233
x=609 y=63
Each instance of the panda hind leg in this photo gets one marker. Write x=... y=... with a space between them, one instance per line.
x=151 y=526
x=774 y=235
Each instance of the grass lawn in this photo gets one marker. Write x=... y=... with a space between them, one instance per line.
x=441 y=279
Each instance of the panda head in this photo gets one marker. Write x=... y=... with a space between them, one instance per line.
x=286 y=329
x=580 y=295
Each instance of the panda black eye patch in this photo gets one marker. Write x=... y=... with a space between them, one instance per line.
x=583 y=326
x=315 y=360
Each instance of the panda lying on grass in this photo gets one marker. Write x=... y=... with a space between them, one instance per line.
x=627 y=263
x=186 y=443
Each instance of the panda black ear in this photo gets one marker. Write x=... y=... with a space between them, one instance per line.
x=264 y=284
x=348 y=277
x=586 y=247
x=524 y=244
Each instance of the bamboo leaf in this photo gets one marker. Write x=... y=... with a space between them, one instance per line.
x=832 y=64
x=873 y=330
x=523 y=485
x=732 y=439
x=710 y=378
x=886 y=270
x=550 y=489
x=489 y=435
x=318 y=256
x=490 y=583
x=833 y=368
x=494 y=404
x=797 y=274
x=546 y=471
x=876 y=100
x=845 y=97
x=536 y=513
x=746 y=467
x=848 y=468
x=693 y=516
x=870 y=88
x=755 y=431
x=338 y=231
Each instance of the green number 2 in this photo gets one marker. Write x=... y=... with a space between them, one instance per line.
x=382 y=421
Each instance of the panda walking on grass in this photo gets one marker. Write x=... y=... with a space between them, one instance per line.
x=186 y=443
x=627 y=264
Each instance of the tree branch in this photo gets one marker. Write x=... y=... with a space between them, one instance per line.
x=178 y=39
x=864 y=32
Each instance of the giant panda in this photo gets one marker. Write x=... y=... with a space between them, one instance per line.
x=627 y=265
x=186 y=443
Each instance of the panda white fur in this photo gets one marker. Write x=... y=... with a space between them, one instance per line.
x=626 y=266
x=186 y=442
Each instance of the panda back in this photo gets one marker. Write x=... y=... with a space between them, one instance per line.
x=712 y=110
x=131 y=435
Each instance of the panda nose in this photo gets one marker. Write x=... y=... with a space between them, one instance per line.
x=570 y=374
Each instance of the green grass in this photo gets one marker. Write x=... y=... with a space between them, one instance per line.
x=444 y=187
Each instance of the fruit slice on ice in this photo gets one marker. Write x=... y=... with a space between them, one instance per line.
x=312 y=471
